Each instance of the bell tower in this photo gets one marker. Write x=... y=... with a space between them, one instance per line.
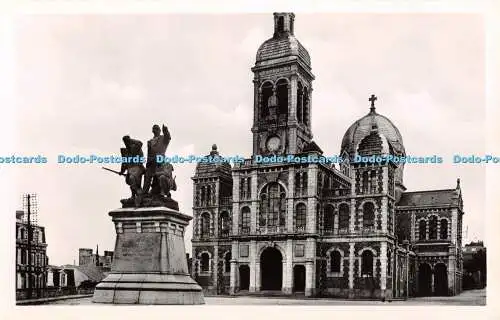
x=282 y=92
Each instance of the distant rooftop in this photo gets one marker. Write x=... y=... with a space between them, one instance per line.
x=429 y=198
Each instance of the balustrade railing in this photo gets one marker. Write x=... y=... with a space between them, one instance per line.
x=335 y=192
x=226 y=200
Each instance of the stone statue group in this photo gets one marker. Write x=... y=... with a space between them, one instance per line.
x=158 y=180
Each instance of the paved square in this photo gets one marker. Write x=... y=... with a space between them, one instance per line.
x=467 y=298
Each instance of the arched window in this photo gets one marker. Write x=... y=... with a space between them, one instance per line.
x=282 y=94
x=267 y=91
x=433 y=228
x=368 y=215
x=320 y=181
x=300 y=97
x=422 y=226
x=23 y=256
x=301 y=183
x=367 y=263
x=227 y=262
x=305 y=107
x=205 y=262
x=202 y=195
x=373 y=181
x=335 y=258
x=281 y=24
x=209 y=195
x=205 y=224
x=389 y=262
x=245 y=220
x=443 y=230
x=328 y=182
x=272 y=206
x=245 y=188
x=300 y=217
x=224 y=224
x=344 y=216
x=365 y=182
x=329 y=219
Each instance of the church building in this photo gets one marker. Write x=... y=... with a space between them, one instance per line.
x=313 y=229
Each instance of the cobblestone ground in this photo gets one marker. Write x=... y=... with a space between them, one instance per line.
x=467 y=298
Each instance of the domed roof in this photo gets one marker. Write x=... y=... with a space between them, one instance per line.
x=280 y=46
x=365 y=126
x=209 y=168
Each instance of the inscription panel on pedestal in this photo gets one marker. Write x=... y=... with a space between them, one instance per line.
x=137 y=252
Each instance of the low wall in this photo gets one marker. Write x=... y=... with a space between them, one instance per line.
x=38 y=293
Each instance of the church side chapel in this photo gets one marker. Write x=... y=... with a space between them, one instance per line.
x=312 y=229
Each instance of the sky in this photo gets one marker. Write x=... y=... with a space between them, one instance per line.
x=84 y=81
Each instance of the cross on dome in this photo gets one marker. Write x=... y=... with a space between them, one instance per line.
x=372 y=99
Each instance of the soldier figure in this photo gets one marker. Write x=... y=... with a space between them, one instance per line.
x=159 y=175
x=133 y=148
x=165 y=182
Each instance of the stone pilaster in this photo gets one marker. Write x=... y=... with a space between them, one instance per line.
x=452 y=274
x=385 y=212
x=215 y=268
x=353 y=216
x=256 y=113
x=309 y=277
x=292 y=110
x=336 y=223
x=383 y=267
x=292 y=141
x=291 y=191
x=351 y=265
x=257 y=275
x=256 y=94
x=253 y=259
x=385 y=180
x=309 y=107
x=312 y=255
x=217 y=192
x=236 y=205
x=454 y=226
x=255 y=204
x=288 y=268
x=412 y=226
x=312 y=176
x=235 y=253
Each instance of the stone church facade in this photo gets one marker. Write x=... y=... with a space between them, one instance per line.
x=315 y=229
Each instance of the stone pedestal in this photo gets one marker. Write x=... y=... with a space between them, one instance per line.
x=149 y=265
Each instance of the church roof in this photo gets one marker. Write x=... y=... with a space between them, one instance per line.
x=92 y=272
x=312 y=147
x=282 y=46
x=364 y=127
x=209 y=168
x=447 y=197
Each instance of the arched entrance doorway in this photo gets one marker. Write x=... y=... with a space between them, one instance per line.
x=244 y=277
x=271 y=269
x=299 y=278
x=440 y=280
x=424 y=280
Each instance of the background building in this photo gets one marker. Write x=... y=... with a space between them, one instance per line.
x=71 y=279
x=87 y=257
x=474 y=257
x=34 y=267
x=314 y=228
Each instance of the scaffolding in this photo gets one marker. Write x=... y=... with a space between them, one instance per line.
x=30 y=209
